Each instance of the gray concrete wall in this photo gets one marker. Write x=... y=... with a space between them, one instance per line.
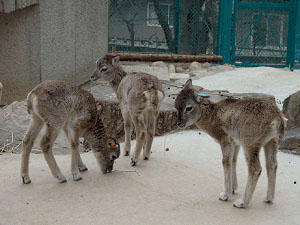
x=74 y=34
x=53 y=40
x=19 y=52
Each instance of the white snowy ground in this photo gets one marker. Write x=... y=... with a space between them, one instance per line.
x=278 y=82
x=180 y=186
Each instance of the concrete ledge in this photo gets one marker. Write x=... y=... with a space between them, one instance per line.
x=8 y=6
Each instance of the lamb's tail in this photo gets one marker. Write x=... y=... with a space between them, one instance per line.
x=282 y=126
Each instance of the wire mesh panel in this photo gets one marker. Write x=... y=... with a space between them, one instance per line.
x=141 y=25
x=261 y=37
x=198 y=26
x=172 y=26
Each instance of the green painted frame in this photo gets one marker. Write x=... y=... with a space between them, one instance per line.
x=291 y=7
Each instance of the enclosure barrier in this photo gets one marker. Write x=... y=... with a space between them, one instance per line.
x=166 y=57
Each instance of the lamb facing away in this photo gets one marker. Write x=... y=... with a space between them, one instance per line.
x=251 y=123
x=140 y=96
x=57 y=105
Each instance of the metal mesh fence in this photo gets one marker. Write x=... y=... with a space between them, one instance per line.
x=258 y=31
x=154 y=26
x=261 y=37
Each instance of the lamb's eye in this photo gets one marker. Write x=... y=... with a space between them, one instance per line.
x=103 y=69
x=188 y=109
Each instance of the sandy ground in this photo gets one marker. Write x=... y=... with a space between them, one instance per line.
x=180 y=186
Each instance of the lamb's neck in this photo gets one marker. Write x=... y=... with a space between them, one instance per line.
x=118 y=74
x=96 y=135
x=209 y=118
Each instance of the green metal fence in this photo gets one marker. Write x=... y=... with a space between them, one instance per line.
x=244 y=32
x=173 y=26
x=261 y=32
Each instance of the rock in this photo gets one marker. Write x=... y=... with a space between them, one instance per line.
x=161 y=73
x=177 y=76
x=291 y=140
x=206 y=65
x=195 y=66
x=110 y=112
x=291 y=110
x=172 y=68
x=179 y=69
x=159 y=64
x=14 y=119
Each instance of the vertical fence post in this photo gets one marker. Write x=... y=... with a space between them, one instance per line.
x=292 y=34
x=224 y=30
x=294 y=46
x=176 y=26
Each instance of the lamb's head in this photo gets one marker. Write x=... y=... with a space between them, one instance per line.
x=105 y=68
x=189 y=106
x=107 y=154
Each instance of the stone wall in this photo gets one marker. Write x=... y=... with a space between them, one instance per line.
x=50 y=40
x=19 y=52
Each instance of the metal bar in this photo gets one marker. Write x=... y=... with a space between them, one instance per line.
x=257 y=65
x=176 y=26
x=297 y=36
x=292 y=35
x=234 y=33
x=166 y=57
x=265 y=5
x=224 y=30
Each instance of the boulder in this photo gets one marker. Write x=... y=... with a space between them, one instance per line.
x=178 y=76
x=110 y=112
x=179 y=69
x=159 y=64
x=291 y=140
x=195 y=66
x=172 y=68
x=291 y=110
x=161 y=73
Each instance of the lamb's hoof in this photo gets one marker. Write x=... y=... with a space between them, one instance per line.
x=83 y=168
x=61 y=179
x=146 y=158
x=269 y=201
x=223 y=196
x=239 y=204
x=133 y=163
x=26 y=180
x=126 y=153
x=77 y=177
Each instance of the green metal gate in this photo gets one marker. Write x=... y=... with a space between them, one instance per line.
x=263 y=33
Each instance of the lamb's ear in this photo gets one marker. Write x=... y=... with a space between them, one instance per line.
x=188 y=84
x=115 y=60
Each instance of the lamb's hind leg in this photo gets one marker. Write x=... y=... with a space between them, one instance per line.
x=36 y=125
x=140 y=139
x=149 y=136
x=254 y=171
x=271 y=164
x=234 y=161
x=128 y=131
x=46 y=146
